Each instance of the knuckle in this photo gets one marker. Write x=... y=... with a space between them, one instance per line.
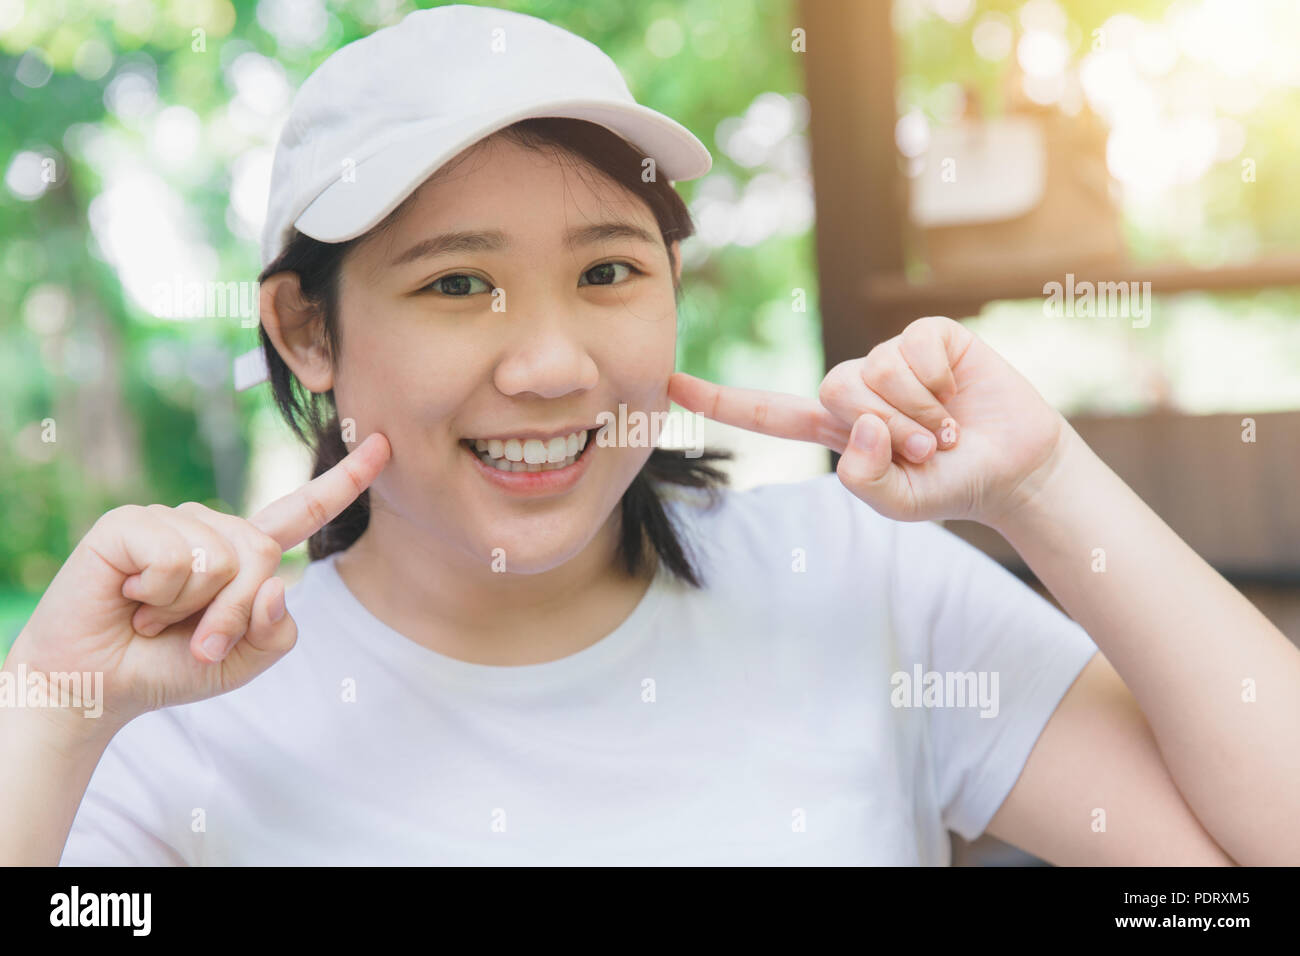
x=316 y=510
x=919 y=327
x=888 y=373
x=236 y=612
x=843 y=369
x=121 y=515
x=262 y=546
x=897 y=423
x=192 y=509
x=852 y=471
x=222 y=560
x=834 y=389
x=172 y=559
x=933 y=411
x=876 y=360
x=353 y=472
x=928 y=323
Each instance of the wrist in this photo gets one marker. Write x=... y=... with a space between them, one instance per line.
x=64 y=712
x=1047 y=491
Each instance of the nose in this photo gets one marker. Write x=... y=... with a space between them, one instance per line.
x=546 y=357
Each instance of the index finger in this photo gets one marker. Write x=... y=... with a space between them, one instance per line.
x=300 y=514
x=770 y=413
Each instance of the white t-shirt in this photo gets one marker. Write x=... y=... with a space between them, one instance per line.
x=757 y=721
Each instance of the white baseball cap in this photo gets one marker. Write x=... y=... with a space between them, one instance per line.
x=382 y=114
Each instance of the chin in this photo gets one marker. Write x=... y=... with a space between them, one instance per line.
x=526 y=554
x=533 y=535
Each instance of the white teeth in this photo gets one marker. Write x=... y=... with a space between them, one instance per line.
x=505 y=464
x=534 y=451
x=530 y=454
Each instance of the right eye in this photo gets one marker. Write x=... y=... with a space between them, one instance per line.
x=456 y=285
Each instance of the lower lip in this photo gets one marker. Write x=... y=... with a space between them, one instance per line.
x=534 y=483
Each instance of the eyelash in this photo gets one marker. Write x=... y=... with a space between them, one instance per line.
x=612 y=262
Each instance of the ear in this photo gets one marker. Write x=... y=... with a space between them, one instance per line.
x=677 y=258
x=296 y=329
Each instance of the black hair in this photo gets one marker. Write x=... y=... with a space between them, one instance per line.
x=645 y=525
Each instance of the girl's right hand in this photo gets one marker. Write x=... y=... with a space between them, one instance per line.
x=174 y=605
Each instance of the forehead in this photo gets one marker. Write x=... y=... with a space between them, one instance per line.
x=534 y=194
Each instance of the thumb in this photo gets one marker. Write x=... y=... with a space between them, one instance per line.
x=272 y=633
x=867 y=469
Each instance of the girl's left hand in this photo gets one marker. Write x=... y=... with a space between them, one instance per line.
x=931 y=424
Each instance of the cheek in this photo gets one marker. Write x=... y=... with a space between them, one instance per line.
x=637 y=360
x=405 y=382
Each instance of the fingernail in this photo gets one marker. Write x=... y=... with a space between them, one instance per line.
x=864 y=436
x=214 y=646
x=917 y=446
x=276 y=611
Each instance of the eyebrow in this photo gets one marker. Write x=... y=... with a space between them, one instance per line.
x=494 y=240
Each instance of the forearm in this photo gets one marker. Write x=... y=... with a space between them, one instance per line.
x=1218 y=683
x=46 y=762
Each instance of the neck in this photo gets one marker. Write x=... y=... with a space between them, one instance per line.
x=425 y=589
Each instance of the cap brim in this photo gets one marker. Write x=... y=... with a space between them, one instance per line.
x=349 y=208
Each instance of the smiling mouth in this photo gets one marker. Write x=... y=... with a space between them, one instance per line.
x=531 y=454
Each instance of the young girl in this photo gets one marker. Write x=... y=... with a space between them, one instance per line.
x=522 y=642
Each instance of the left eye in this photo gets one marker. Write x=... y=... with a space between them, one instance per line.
x=457 y=285
x=605 y=273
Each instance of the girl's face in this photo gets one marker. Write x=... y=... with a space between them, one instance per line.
x=514 y=301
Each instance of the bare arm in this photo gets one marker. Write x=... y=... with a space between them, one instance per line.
x=1217 y=684
x=1095 y=790
x=47 y=761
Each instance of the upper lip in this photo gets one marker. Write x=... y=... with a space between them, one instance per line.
x=540 y=433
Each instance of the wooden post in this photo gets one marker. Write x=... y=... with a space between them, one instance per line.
x=860 y=192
